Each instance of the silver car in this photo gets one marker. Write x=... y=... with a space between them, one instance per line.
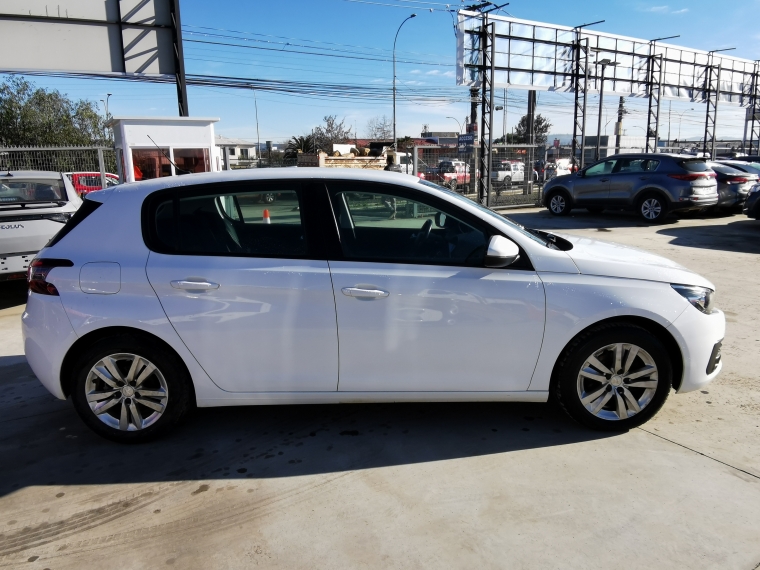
x=650 y=184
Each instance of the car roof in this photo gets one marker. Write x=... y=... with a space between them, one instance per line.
x=382 y=176
x=21 y=174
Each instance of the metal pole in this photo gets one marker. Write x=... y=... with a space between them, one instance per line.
x=599 y=126
x=415 y=162
x=179 y=58
x=504 y=127
x=258 y=139
x=102 y=168
x=619 y=126
x=395 y=140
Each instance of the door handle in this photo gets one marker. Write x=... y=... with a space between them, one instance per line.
x=643 y=177
x=364 y=293
x=194 y=285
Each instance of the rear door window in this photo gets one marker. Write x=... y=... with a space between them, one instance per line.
x=19 y=190
x=257 y=220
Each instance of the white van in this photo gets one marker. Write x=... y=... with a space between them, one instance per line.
x=34 y=206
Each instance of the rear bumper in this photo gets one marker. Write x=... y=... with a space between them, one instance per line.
x=47 y=334
x=695 y=201
x=14 y=265
x=697 y=335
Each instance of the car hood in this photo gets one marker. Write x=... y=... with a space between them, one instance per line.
x=596 y=257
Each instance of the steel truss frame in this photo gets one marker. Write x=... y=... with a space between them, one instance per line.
x=754 y=110
x=488 y=48
x=580 y=86
x=712 y=97
x=655 y=91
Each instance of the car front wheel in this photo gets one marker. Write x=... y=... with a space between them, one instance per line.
x=130 y=391
x=613 y=378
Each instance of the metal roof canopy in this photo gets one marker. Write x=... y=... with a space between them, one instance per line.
x=535 y=55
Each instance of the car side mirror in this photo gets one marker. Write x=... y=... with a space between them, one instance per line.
x=581 y=173
x=501 y=252
x=440 y=220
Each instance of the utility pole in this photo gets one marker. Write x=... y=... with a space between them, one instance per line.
x=473 y=128
x=619 y=124
x=531 y=141
x=669 y=126
x=504 y=128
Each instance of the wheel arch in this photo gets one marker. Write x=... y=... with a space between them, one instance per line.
x=561 y=189
x=648 y=191
x=86 y=341
x=656 y=329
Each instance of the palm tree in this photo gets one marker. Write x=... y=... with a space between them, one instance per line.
x=302 y=144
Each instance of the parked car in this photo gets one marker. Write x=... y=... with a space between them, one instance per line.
x=34 y=206
x=169 y=293
x=507 y=172
x=86 y=182
x=561 y=167
x=452 y=174
x=752 y=205
x=651 y=184
x=733 y=185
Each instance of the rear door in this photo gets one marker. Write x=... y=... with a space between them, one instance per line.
x=628 y=177
x=239 y=280
x=593 y=188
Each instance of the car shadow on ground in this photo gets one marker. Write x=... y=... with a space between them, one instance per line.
x=43 y=442
x=741 y=236
x=12 y=293
x=580 y=219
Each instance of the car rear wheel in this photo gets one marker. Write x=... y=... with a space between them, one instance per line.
x=613 y=378
x=452 y=185
x=558 y=204
x=130 y=391
x=652 y=208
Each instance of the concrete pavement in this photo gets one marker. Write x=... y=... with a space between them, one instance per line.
x=409 y=485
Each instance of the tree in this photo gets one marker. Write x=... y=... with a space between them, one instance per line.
x=302 y=144
x=541 y=129
x=32 y=116
x=332 y=132
x=511 y=139
x=380 y=128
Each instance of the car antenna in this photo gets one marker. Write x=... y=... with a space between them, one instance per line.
x=7 y=164
x=167 y=158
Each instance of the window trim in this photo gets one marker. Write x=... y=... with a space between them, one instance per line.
x=218 y=189
x=440 y=204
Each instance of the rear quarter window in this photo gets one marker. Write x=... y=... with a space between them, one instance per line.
x=694 y=165
x=87 y=208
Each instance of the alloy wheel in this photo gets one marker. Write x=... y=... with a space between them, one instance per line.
x=617 y=381
x=557 y=204
x=126 y=392
x=651 y=208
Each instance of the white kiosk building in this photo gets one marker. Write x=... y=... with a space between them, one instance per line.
x=154 y=147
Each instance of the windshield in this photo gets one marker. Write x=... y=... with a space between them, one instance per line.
x=526 y=232
x=694 y=165
x=17 y=190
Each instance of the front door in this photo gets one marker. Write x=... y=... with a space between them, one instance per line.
x=593 y=187
x=628 y=176
x=233 y=269
x=417 y=309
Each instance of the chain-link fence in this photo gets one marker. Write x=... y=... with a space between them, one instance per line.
x=516 y=172
x=59 y=159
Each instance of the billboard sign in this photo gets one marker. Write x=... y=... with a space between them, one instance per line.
x=465 y=143
x=133 y=37
x=535 y=55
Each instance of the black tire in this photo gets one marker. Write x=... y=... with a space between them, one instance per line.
x=652 y=208
x=177 y=386
x=452 y=185
x=567 y=377
x=507 y=181
x=268 y=198
x=558 y=203
x=595 y=210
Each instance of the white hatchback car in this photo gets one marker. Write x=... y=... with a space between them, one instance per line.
x=352 y=287
x=34 y=205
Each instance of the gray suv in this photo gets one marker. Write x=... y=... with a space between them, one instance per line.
x=651 y=184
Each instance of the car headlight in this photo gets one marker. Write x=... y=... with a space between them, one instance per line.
x=700 y=297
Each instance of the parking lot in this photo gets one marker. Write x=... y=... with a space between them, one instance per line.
x=407 y=485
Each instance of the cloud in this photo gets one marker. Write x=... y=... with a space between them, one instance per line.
x=433 y=72
x=663 y=10
x=449 y=74
x=415 y=71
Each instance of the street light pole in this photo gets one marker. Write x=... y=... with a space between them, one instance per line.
x=458 y=123
x=395 y=140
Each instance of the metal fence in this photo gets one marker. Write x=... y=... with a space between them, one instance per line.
x=60 y=159
x=516 y=179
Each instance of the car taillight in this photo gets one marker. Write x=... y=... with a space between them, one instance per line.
x=37 y=275
x=738 y=180
x=690 y=177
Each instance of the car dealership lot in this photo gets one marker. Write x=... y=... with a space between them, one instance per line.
x=495 y=485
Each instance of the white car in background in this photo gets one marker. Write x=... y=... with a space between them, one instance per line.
x=183 y=291
x=34 y=206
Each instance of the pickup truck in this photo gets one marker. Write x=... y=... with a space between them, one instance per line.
x=454 y=174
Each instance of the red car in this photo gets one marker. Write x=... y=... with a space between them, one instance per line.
x=86 y=182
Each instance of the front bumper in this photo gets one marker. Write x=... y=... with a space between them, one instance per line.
x=697 y=335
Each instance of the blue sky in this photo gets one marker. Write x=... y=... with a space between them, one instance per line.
x=366 y=28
